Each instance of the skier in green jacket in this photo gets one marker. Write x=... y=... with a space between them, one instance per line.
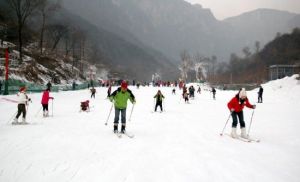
x=120 y=97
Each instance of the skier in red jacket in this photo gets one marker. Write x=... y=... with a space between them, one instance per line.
x=45 y=101
x=236 y=106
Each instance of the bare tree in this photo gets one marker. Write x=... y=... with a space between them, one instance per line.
x=22 y=9
x=246 y=51
x=45 y=8
x=186 y=64
x=57 y=31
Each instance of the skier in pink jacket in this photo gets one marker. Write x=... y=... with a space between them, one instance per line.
x=45 y=101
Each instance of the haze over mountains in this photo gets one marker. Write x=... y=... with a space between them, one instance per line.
x=171 y=26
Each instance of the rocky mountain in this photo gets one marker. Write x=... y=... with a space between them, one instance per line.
x=171 y=26
x=127 y=59
x=261 y=25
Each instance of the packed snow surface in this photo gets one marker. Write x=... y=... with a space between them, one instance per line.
x=182 y=144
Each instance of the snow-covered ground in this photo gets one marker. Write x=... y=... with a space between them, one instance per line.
x=180 y=145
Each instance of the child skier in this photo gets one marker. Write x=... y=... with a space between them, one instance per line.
x=236 y=105
x=23 y=100
x=45 y=101
x=159 y=99
x=120 y=97
x=85 y=106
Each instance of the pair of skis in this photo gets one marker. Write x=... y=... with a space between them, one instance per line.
x=248 y=140
x=119 y=135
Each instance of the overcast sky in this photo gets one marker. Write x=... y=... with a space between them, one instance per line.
x=227 y=8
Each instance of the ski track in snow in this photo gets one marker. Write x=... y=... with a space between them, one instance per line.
x=181 y=144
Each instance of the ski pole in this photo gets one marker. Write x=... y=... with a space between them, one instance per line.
x=131 y=113
x=164 y=105
x=225 y=124
x=11 y=118
x=250 y=123
x=109 y=114
x=38 y=111
x=52 y=107
x=154 y=105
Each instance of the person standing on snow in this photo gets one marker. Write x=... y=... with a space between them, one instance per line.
x=199 y=90
x=159 y=99
x=260 y=93
x=192 y=91
x=120 y=97
x=214 y=92
x=109 y=91
x=174 y=91
x=93 y=92
x=22 y=102
x=45 y=101
x=236 y=106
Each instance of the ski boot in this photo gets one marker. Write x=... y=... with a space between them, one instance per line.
x=233 y=133
x=15 y=121
x=123 y=128
x=115 y=128
x=24 y=121
x=243 y=133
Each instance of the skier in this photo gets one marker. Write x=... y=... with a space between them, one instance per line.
x=192 y=91
x=214 y=92
x=74 y=85
x=45 y=101
x=120 y=97
x=199 y=90
x=260 y=93
x=186 y=97
x=159 y=99
x=109 y=91
x=85 y=106
x=23 y=100
x=236 y=105
x=93 y=92
x=184 y=90
x=173 y=91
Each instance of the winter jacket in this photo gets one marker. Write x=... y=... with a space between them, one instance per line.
x=261 y=90
x=159 y=98
x=22 y=98
x=45 y=97
x=120 y=98
x=237 y=104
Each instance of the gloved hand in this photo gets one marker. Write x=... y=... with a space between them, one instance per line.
x=254 y=106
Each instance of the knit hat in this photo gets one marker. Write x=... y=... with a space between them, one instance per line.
x=243 y=93
x=22 y=89
x=124 y=84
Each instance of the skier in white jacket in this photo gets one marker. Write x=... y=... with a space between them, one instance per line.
x=22 y=102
